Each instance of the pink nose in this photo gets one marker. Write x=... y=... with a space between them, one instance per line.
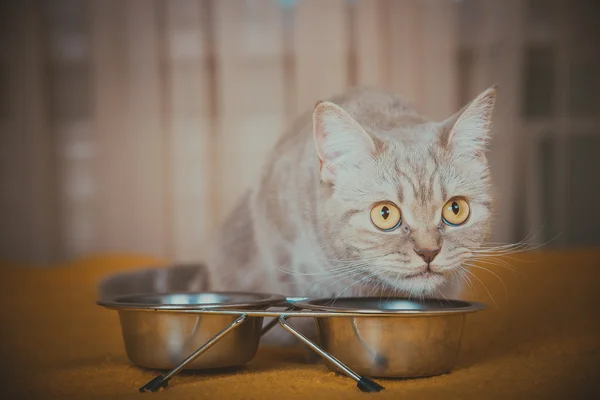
x=428 y=255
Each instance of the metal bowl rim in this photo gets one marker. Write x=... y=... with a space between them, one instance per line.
x=469 y=307
x=116 y=303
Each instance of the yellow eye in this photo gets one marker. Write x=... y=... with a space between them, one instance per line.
x=386 y=216
x=456 y=211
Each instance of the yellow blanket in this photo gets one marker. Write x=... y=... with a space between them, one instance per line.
x=539 y=340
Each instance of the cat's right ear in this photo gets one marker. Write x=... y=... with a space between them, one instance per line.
x=341 y=142
x=469 y=131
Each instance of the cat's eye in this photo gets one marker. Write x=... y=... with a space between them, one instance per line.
x=386 y=216
x=456 y=211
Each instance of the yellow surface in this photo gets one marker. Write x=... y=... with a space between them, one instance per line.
x=541 y=341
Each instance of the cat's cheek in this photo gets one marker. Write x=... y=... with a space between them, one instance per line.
x=480 y=212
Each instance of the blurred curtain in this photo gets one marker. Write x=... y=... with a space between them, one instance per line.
x=134 y=125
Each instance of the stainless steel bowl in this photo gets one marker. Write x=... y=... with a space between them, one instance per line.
x=159 y=332
x=418 y=339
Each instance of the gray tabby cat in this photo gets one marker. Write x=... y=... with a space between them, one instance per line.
x=363 y=197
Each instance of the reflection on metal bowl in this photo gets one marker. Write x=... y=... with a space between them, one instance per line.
x=422 y=338
x=159 y=333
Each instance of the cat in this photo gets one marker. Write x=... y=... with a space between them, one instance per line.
x=362 y=196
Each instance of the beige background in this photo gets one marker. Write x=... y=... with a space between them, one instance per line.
x=133 y=125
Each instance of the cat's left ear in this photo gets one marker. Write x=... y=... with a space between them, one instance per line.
x=341 y=142
x=469 y=131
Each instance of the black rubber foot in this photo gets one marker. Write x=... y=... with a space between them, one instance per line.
x=367 y=385
x=155 y=384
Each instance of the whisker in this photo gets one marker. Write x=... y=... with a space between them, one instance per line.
x=441 y=293
x=369 y=275
x=327 y=271
x=493 y=273
x=349 y=276
x=341 y=261
x=466 y=278
x=530 y=236
x=482 y=284
x=506 y=250
x=498 y=263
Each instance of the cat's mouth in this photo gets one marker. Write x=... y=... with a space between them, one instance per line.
x=422 y=281
x=422 y=276
x=427 y=274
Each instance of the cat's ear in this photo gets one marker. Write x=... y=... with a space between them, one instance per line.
x=341 y=142
x=469 y=131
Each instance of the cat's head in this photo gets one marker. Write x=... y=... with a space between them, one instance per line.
x=403 y=200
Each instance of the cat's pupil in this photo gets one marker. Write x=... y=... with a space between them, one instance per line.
x=455 y=208
x=385 y=212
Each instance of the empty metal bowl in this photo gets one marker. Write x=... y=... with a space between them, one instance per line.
x=158 y=335
x=414 y=338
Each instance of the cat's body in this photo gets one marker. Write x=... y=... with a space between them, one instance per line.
x=307 y=227
x=275 y=230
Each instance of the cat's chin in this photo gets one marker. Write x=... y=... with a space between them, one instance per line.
x=425 y=284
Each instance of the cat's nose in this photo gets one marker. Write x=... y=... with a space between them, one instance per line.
x=428 y=255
